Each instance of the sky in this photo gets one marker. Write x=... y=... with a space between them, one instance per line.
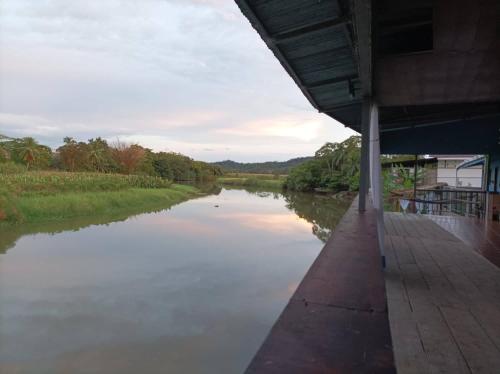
x=189 y=76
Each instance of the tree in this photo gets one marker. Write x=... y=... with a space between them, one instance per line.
x=100 y=156
x=28 y=151
x=305 y=177
x=327 y=154
x=335 y=166
x=127 y=156
x=73 y=154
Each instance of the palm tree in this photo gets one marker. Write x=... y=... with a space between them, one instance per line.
x=96 y=158
x=28 y=150
x=99 y=154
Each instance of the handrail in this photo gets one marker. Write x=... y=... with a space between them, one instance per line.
x=464 y=202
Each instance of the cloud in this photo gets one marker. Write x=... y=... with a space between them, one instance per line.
x=288 y=127
x=192 y=73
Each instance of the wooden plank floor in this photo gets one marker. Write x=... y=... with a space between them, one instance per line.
x=443 y=299
x=482 y=235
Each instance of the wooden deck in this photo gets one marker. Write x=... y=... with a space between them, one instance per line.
x=336 y=321
x=483 y=236
x=443 y=298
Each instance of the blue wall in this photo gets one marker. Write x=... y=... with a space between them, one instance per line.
x=494 y=168
x=474 y=136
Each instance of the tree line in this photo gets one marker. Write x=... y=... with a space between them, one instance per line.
x=335 y=167
x=269 y=167
x=97 y=155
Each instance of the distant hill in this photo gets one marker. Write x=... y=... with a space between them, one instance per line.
x=269 y=167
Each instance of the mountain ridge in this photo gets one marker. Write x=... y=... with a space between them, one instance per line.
x=268 y=167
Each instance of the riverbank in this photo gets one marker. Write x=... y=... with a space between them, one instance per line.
x=37 y=197
x=252 y=180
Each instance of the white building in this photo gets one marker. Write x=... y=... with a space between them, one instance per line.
x=447 y=172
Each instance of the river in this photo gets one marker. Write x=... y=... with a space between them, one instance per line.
x=193 y=289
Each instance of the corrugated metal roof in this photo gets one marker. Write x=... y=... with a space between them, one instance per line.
x=313 y=41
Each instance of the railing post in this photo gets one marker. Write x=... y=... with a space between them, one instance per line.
x=415 y=184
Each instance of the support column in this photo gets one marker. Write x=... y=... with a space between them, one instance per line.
x=364 y=169
x=415 y=184
x=376 y=178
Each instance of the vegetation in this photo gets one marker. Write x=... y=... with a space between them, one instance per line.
x=73 y=205
x=401 y=178
x=25 y=151
x=335 y=167
x=264 y=181
x=93 y=177
x=97 y=155
x=45 y=196
x=271 y=167
x=52 y=182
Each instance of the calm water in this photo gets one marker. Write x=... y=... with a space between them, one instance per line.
x=193 y=289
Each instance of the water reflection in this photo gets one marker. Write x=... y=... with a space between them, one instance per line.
x=323 y=211
x=190 y=290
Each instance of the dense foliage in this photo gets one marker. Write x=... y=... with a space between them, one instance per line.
x=270 y=167
x=335 y=167
x=97 y=155
x=25 y=151
x=401 y=178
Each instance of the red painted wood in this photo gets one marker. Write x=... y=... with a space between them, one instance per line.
x=336 y=322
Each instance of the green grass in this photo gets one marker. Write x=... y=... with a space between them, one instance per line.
x=50 y=182
x=35 y=197
x=271 y=183
x=78 y=204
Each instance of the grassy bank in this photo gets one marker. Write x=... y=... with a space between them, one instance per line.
x=53 y=182
x=51 y=196
x=252 y=180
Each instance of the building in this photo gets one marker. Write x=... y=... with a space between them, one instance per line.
x=413 y=77
x=450 y=172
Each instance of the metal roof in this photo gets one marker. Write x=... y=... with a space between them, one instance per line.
x=313 y=40
x=478 y=160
